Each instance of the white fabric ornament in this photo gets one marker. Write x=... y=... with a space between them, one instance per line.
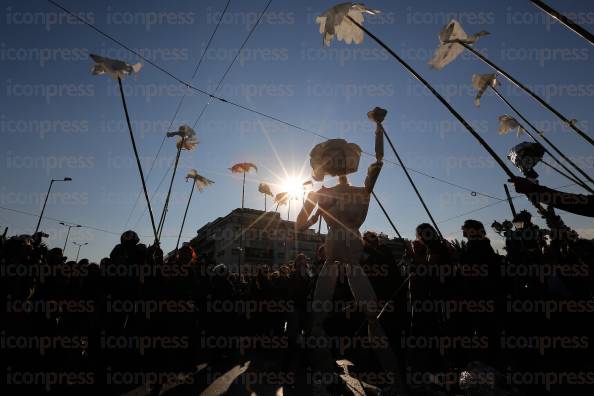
x=113 y=67
x=481 y=82
x=334 y=22
x=508 y=123
x=449 y=48
x=201 y=181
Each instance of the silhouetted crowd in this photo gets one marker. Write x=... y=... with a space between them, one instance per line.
x=461 y=317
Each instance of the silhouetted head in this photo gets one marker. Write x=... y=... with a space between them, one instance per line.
x=523 y=219
x=473 y=229
x=129 y=238
x=426 y=233
x=370 y=239
x=55 y=256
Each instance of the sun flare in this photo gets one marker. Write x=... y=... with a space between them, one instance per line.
x=293 y=186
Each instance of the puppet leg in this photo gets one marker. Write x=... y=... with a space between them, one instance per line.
x=365 y=297
x=322 y=306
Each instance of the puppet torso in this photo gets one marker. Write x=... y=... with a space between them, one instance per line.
x=344 y=209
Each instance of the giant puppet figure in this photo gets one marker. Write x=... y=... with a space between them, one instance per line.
x=344 y=208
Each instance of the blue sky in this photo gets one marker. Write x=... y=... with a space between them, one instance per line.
x=58 y=120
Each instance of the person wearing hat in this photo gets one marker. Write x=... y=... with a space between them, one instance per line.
x=344 y=208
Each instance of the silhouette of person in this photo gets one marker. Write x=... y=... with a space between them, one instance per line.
x=574 y=203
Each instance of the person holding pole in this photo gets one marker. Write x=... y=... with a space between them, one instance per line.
x=574 y=203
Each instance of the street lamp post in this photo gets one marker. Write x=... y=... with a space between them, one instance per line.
x=66 y=179
x=79 y=246
x=67 y=234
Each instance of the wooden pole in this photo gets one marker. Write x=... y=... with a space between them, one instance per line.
x=185 y=214
x=243 y=190
x=443 y=101
x=385 y=214
x=509 y=201
x=568 y=23
x=553 y=146
x=166 y=205
x=529 y=92
x=148 y=202
x=559 y=171
x=412 y=183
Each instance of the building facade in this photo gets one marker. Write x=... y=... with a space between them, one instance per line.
x=249 y=237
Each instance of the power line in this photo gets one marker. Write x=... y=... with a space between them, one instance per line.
x=57 y=220
x=474 y=210
x=253 y=28
x=23 y=212
x=210 y=39
x=240 y=106
x=220 y=83
x=492 y=204
x=178 y=108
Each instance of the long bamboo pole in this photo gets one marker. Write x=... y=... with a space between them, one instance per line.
x=457 y=115
x=568 y=23
x=414 y=186
x=529 y=92
x=510 y=202
x=166 y=205
x=553 y=146
x=385 y=214
x=185 y=214
x=559 y=171
x=243 y=190
x=148 y=202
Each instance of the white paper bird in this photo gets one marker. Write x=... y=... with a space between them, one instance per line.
x=187 y=144
x=201 y=181
x=481 y=82
x=449 y=48
x=186 y=135
x=508 y=123
x=183 y=131
x=334 y=21
x=282 y=198
x=243 y=167
x=264 y=188
x=113 y=67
